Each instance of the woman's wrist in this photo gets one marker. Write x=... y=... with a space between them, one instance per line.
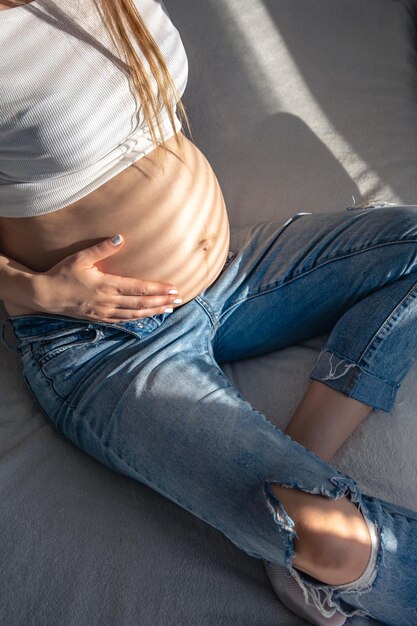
x=17 y=282
x=37 y=291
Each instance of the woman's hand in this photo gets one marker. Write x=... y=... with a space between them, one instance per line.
x=77 y=288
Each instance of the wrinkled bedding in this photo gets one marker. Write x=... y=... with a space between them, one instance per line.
x=298 y=106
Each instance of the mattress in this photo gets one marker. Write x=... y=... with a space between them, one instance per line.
x=298 y=106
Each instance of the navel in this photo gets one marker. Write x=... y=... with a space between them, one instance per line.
x=205 y=244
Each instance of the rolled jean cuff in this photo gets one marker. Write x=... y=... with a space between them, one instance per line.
x=342 y=374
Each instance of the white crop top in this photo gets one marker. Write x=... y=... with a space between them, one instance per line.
x=68 y=119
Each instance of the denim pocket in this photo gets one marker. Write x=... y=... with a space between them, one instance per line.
x=64 y=358
x=48 y=346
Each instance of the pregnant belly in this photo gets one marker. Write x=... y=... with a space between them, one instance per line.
x=173 y=220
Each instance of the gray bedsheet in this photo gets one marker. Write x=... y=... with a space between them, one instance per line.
x=299 y=106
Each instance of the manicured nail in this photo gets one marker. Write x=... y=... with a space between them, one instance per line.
x=173 y=291
x=177 y=301
x=117 y=240
x=169 y=310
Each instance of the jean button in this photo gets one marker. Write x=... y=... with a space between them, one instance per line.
x=139 y=325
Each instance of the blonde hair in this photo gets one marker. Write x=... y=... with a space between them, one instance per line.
x=119 y=16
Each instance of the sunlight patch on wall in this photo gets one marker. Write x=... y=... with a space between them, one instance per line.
x=280 y=85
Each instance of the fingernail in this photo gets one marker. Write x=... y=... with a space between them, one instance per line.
x=117 y=239
x=169 y=310
x=177 y=301
x=172 y=291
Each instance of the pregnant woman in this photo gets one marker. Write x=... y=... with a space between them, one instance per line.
x=125 y=290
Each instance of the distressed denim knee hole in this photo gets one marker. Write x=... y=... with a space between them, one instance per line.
x=323 y=596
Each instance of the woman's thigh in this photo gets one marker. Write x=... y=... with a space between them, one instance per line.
x=288 y=285
x=159 y=410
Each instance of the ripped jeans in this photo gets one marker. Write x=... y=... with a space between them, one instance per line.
x=148 y=398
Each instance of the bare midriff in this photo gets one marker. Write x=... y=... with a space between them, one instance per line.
x=172 y=217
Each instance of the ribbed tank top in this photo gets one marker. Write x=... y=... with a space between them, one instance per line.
x=68 y=119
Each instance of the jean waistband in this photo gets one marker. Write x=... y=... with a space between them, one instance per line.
x=33 y=326
x=25 y=326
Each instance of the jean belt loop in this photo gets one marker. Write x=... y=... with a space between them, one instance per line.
x=3 y=338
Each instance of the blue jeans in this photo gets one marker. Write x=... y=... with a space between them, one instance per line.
x=148 y=398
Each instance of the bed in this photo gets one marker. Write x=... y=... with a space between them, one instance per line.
x=298 y=106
